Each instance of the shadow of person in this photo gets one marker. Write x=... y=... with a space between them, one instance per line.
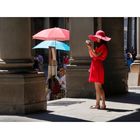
x=132 y=117
x=117 y=110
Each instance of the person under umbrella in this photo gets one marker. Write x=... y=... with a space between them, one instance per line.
x=56 y=34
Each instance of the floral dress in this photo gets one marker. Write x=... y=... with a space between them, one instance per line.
x=96 y=67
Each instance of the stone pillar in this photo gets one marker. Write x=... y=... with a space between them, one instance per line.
x=99 y=23
x=77 y=73
x=129 y=34
x=46 y=22
x=116 y=72
x=138 y=41
x=134 y=74
x=22 y=90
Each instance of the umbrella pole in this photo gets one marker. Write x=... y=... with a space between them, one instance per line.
x=52 y=67
x=54 y=61
x=49 y=64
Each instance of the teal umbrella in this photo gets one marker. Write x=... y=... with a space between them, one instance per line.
x=52 y=43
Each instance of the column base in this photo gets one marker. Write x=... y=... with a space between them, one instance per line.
x=77 y=82
x=22 y=93
x=134 y=75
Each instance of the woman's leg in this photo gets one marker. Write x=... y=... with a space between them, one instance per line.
x=103 y=99
x=101 y=93
x=98 y=97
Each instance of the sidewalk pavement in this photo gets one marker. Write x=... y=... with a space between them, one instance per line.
x=125 y=108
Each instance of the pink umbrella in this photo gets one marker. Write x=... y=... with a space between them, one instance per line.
x=53 y=34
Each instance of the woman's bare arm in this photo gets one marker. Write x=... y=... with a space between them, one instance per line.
x=92 y=52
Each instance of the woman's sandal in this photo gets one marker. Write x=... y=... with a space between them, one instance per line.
x=95 y=107
x=103 y=107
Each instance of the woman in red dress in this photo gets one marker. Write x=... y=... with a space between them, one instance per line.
x=98 y=55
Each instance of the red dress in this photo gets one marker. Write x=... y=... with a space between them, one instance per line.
x=96 y=67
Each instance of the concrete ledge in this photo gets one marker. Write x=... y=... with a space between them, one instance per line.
x=134 y=87
x=133 y=79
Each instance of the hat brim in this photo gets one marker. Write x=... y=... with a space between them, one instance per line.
x=94 y=38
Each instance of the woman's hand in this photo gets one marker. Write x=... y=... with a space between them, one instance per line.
x=88 y=44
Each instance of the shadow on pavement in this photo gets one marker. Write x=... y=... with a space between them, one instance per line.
x=64 y=103
x=117 y=110
x=130 y=97
x=46 y=116
x=134 y=117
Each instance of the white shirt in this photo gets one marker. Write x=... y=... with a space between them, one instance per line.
x=63 y=82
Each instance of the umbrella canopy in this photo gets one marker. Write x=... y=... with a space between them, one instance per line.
x=53 y=34
x=52 y=43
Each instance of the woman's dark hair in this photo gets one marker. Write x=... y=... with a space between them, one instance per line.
x=101 y=43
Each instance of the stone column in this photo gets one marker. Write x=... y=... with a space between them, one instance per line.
x=134 y=74
x=129 y=34
x=22 y=90
x=138 y=41
x=13 y=35
x=116 y=72
x=99 y=23
x=77 y=73
x=46 y=23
